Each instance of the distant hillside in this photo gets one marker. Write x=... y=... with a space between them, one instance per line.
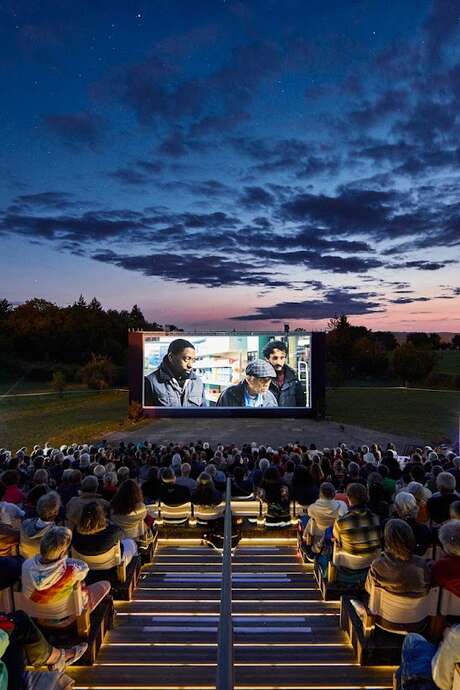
x=446 y=336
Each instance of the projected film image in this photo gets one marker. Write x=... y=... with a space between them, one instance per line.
x=232 y=370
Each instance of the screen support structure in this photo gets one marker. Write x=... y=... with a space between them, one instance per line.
x=317 y=410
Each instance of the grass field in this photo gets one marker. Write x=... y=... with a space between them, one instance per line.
x=84 y=416
x=426 y=415
x=448 y=362
x=78 y=417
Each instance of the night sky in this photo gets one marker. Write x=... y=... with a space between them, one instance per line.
x=234 y=164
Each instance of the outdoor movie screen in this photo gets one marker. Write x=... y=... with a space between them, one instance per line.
x=268 y=370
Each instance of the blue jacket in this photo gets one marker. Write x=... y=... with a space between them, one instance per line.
x=161 y=389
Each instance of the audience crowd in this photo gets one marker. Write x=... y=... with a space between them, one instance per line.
x=388 y=511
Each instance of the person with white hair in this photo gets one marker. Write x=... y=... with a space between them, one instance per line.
x=407 y=509
x=50 y=576
x=421 y=495
x=184 y=478
x=439 y=503
x=33 y=529
x=446 y=571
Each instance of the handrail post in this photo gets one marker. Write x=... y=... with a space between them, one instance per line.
x=224 y=677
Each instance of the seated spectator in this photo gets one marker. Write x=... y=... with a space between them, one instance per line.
x=172 y=494
x=322 y=514
x=109 y=485
x=50 y=576
x=151 y=488
x=425 y=667
x=241 y=486
x=454 y=510
x=397 y=569
x=258 y=472
x=407 y=509
x=446 y=571
x=128 y=510
x=70 y=485
x=30 y=504
x=94 y=536
x=10 y=513
x=421 y=495
x=12 y=492
x=33 y=529
x=377 y=503
x=40 y=477
x=206 y=493
x=10 y=570
x=439 y=503
x=184 y=478
x=88 y=493
x=20 y=636
x=339 y=474
x=122 y=473
x=358 y=531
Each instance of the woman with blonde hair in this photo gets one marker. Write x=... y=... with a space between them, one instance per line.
x=397 y=569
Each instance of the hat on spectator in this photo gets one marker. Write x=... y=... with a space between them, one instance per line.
x=261 y=369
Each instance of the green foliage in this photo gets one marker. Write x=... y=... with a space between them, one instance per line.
x=412 y=365
x=98 y=373
x=370 y=358
x=424 y=341
x=355 y=350
x=456 y=342
x=39 y=331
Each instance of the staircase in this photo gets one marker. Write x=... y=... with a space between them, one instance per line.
x=284 y=635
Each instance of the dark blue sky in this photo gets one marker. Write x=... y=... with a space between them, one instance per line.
x=234 y=164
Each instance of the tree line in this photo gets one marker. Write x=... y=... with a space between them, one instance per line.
x=85 y=342
x=357 y=352
x=41 y=338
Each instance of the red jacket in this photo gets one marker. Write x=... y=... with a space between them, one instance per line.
x=446 y=573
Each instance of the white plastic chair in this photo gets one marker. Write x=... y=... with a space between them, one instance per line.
x=449 y=603
x=105 y=561
x=207 y=513
x=174 y=515
x=396 y=613
x=73 y=607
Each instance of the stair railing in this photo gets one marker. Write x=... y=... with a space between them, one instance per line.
x=224 y=677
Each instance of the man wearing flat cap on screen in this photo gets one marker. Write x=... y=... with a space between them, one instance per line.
x=254 y=390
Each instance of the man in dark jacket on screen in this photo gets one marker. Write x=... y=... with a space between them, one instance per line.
x=174 y=383
x=253 y=391
x=286 y=388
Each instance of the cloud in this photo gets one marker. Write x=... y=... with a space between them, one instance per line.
x=409 y=300
x=335 y=302
x=209 y=271
x=391 y=102
x=57 y=201
x=78 y=129
x=256 y=197
x=423 y=265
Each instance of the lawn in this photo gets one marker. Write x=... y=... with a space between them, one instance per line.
x=427 y=415
x=448 y=362
x=431 y=416
x=79 y=417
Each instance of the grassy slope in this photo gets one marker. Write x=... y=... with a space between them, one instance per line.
x=419 y=414
x=75 y=417
x=448 y=362
x=83 y=416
